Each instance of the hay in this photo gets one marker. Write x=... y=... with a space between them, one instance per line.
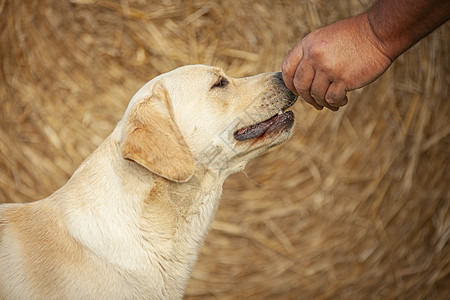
x=356 y=205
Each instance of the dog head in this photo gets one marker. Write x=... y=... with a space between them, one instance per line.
x=199 y=116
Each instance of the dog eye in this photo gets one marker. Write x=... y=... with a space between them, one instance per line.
x=221 y=82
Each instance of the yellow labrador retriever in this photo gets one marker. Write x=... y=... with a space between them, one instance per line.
x=130 y=221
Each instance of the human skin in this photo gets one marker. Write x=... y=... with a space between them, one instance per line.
x=354 y=52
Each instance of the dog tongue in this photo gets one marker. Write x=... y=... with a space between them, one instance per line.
x=254 y=130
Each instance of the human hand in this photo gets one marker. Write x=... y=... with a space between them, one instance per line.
x=333 y=60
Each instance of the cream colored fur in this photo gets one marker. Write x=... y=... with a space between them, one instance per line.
x=130 y=221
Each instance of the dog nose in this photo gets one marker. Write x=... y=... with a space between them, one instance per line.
x=279 y=77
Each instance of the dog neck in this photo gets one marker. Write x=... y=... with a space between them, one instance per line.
x=143 y=223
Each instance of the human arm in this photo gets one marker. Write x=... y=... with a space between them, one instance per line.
x=399 y=24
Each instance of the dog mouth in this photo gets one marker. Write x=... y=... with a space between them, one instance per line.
x=277 y=123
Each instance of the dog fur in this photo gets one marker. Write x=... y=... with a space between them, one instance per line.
x=130 y=221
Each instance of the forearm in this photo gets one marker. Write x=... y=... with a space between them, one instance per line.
x=399 y=24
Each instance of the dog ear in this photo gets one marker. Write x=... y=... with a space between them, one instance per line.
x=154 y=141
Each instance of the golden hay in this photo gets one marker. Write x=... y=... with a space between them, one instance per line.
x=355 y=206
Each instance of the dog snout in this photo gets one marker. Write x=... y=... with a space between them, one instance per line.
x=279 y=82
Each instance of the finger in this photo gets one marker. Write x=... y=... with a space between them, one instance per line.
x=290 y=65
x=336 y=94
x=319 y=87
x=304 y=75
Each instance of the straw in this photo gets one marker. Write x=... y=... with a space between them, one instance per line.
x=354 y=206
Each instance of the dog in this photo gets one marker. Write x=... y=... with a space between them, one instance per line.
x=130 y=221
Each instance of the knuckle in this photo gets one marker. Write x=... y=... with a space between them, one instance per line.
x=334 y=95
x=298 y=84
x=317 y=96
x=335 y=99
x=285 y=67
x=331 y=100
x=317 y=52
x=301 y=84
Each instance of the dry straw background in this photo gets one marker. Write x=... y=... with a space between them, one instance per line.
x=354 y=206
